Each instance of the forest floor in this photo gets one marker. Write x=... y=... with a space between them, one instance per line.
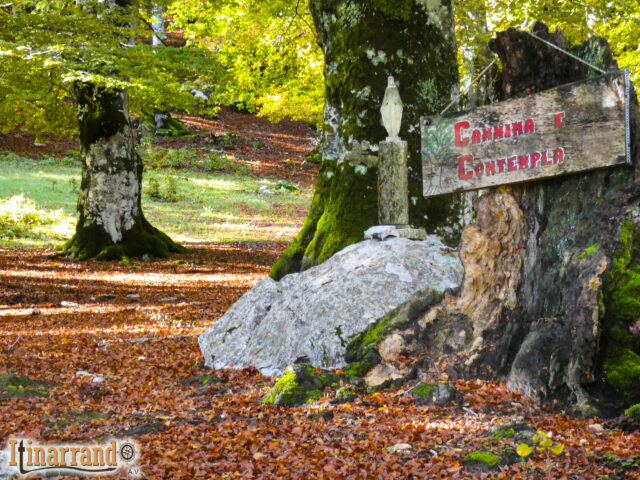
x=94 y=350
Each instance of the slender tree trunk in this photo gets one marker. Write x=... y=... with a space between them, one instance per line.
x=158 y=26
x=111 y=223
x=364 y=43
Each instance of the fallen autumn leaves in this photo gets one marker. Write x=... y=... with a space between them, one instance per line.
x=134 y=327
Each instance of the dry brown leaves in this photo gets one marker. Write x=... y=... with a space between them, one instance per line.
x=187 y=429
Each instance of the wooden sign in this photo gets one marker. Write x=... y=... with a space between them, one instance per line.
x=571 y=128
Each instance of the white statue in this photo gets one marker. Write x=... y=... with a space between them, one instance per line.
x=392 y=111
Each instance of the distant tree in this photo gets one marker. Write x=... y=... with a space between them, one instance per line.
x=63 y=60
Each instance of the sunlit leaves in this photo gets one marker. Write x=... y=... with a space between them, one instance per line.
x=48 y=46
x=524 y=450
x=268 y=49
x=617 y=22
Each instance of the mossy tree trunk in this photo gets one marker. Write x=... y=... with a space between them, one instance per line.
x=364 y=43
x=111 y=223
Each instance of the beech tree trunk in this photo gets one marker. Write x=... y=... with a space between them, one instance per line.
x=111 y=223
x=363 y=44
x=551 y=296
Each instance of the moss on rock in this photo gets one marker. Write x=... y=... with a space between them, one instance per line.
x=503 y=433
x=12 y=385
x=439 y=393
x=362 y=352
x=482 y=461
x=299 y=384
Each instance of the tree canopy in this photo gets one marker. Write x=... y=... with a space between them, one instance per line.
x=262 y=53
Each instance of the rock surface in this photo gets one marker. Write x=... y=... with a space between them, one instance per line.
x=439 y=393
x=7 y=472
x=312 y=316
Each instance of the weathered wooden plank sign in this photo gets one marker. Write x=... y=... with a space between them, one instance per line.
x=575 y=127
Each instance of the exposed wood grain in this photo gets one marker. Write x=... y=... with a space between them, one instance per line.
x=575 y=127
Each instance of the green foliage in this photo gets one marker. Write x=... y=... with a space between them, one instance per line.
x=545 y=446
x=221 y=162
x=47 y=47
x=268 y=50
x=182 y=158
x=314 y=156
x=21 y=217
x=212 y=208
x=164 y=189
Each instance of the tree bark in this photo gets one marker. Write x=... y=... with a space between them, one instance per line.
x=549 y=302
x=364 y=43
x=111 y=223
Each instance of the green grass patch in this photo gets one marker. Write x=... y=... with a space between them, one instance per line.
x=189 y=204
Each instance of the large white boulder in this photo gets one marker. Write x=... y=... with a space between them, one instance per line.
x=312 y=316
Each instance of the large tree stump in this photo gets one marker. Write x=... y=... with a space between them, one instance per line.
x=552 y=268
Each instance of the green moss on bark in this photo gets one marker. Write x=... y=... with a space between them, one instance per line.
x=621 y=302
x=623 y=288
x=634 y=412
x=143 y=239
x=111 y=177
x=348 y=212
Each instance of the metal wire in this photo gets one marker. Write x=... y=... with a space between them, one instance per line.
x=468 y=87
x=565 y=51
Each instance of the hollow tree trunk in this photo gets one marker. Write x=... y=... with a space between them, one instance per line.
x=364 y=43
x=111 y=223
x=551 y=293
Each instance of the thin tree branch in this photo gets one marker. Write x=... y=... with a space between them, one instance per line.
x=153 y=31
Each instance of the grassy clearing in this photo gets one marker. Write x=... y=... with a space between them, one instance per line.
x=190 y=204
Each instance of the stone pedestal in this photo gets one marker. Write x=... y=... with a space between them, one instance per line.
x=393 y=184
